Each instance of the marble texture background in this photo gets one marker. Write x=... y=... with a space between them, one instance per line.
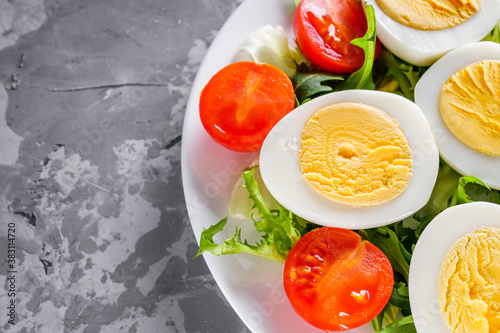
x=92 y=99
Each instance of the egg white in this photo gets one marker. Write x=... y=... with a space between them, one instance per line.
x=459 y=156
x=280 y=167
x=421 y=47
x=429 y=253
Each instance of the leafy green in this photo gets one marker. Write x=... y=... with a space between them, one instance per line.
x=441 y=196
x=279 y=229
x=396 y=75
x=481 y=191
x=386 y=239
x=311 y=85
x=403 y=325
x=453 y=189
x=494 y=35
x=400 y=296
x=391 y=241
x=387 y=315
x=362 y=78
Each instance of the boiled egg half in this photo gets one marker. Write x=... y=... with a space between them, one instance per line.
x=420 y=32
x=454 y=281
x=351 y=159
x=460 y=96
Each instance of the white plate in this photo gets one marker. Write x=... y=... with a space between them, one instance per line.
x=253 y=286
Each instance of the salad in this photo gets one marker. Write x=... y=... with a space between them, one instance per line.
x=279 y=230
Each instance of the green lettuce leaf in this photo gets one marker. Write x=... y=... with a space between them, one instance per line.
x=479 y=191
x=279 y=230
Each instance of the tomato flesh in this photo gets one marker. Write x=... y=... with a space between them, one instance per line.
x=243 y=101
x=335 y=280
x=324 y=30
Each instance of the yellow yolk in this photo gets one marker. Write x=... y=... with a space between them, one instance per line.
x=429 y=14
x=469 y=103
x=469 y=283
x=355 y=154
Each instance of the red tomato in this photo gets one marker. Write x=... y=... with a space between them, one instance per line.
x=324 y=30
x=335 y=280
x=242 y=103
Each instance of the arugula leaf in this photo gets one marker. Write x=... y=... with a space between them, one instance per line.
x=400 y=296
x=280 y=229
x=388 y=242
x=378 y=322
x=450 y=190
x=310 y=85
x=399 y=300
x=388 y=315
x=397 y=75
x=494 y=35
x=362 y=78
x=406 y=236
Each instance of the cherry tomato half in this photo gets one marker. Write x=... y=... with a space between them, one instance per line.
x=335 y=280
x=324 y=30
x=243 y=101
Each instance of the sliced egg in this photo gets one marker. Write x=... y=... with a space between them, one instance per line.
x=423 y=47
x=455 y=271
x=457 y=153
x=282 y=173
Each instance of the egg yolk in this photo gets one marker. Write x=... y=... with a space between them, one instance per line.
x=355 y=154
x=469 y=104
x=429 y=14
x=469 y=283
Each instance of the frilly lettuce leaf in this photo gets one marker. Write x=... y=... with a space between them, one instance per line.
x=240 y=205
x=279 y=229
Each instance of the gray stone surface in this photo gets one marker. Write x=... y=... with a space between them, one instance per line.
x=92 y=99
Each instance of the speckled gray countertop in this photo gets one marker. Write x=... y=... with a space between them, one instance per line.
x=92 y=99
